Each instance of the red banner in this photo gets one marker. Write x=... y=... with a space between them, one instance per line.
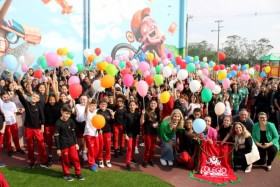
x=215 y=164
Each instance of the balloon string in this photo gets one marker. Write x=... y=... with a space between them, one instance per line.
x=143 y=104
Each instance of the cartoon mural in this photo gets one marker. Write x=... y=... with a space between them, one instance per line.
x=66 y=9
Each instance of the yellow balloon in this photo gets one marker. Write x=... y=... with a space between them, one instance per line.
x=170 y=65
x=102 y=65
x=222 y=75
x=151 y=56
x=68 y=62
x=164 y=97
x=65 y=51
x=267 y=69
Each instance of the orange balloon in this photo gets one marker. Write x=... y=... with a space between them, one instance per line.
x=98 y=121
x=90 y=58
x=102 y=65
x=107 y=81
x=239 y=73
x=59 y=51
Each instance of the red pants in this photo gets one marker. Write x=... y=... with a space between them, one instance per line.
x=187 y=159
x=3 y=182
x=104 y=141
x=130 y=144
x=11 y=131
x=1 y=142
x=30 y=134
x=67 y=155
x=118 y=133
x=92 y=143
x=150 y=145
x=48 y=135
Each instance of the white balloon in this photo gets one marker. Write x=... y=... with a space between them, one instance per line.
x=21 y=59
x=199 y=72
x=87 y=53
x=195 y=85
x=251 y=71
x=204 y=59
x=167 y=71
x=171 y=83
x=217 y=89
x=29 y=58
x=182 y=74
x=96 y=85
x=220 y=108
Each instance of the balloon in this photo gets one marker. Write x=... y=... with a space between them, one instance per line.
x=142 y=88
x=195 y=85
x=87 y=53
x=251 y=71
x=188 y=59
x=38 y=74
x=211 y=64
x=10 y=61
x=96 y=85
x=75 y=90
x=158 y=79
x=59 y=51
x=151 y=56
x=233 y=73
x=65 y=51
x=73 y=69
x=180 y=87
x=97 y=51
x=52 y=58
x=116 y=62
x=199 y=125
x=128 y=80
x=204 y=59
x=43 y=62
x=68 y=62
x=70 y=55
x=73 y=80
x=98 y=121
x=122 y=64
x=164 y=97
x=29 y=58
x=128 y=64
x=183 y=65
x=108 y=59
x=234 y=67
x=149 y=80
x=146 y=73
x=24 y=68
x=263 y=74
x=196 y=58
x=21 y=60
x=155 y=62
x=217 y=89
x=217 y=68
x=102 y=66
x=167 y=71
x=178 y=60
x=205 y=72
x=197 y=66
x=182 y=74
x=222 y=75
x=267 y=69
x=206 y=80
x=199 y=72
x=221 y=56
x=220 y=108
x=244 y=67
x=226 y=83
x=126 y=71
x=111 y=70
x=191 y=67
x=257 y=67
x=90 y=58
x=144 y=66
x=158 y=69
x=107 y=81
x=210 y=85
x=80 y=67
x=206 y=95
x=222 y=67
x=169 y=55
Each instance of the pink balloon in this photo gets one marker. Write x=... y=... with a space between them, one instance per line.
x=165 y=61
x=197 y=66
x=174 y=71
x=131 y=54
x=73 y=69
x=205 y=72
x=245 y=77
x=24 y=67
x=142 y=88
x=116 y=62
x=108 y=59
x=128 y=80
x=144 y=66
x=73 y=80
x=180 y=87
x=134 y=67
x=146 y=73
x=206 y=80
x=210 y=85
x=163 y=57
x=226 y=83
x=52 y=58
x=58 y=62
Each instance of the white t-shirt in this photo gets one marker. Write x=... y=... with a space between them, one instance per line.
x=9 y=109
x=80 y=113
x=228 y=109
x=89 y=128
x=193 y=105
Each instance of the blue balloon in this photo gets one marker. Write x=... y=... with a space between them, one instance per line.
x=10 y=61
x=263 y=74
x=173 y=62
x=178 y=67
x=35 y=67
x=229 y=76
x=141 y=58
x=233 y=73
x=211 y=63
x=201 y=64
x=196 y=62
x=199 y=125
x=238 y=68
x=206 y=65
x=244 y=67
x=94 y=63
x=188 y=59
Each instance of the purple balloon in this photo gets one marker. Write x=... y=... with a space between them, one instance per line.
x=73 y=69
x=52 y=58
x=73 y=80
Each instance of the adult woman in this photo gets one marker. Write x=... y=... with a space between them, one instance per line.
x=261 y=103
x=236 y=99
x=167 y=135
x=266 y=138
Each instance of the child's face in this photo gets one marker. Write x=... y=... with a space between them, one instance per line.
x=196 y=115
x=51 y=101
x=92 y=107
x=119 y=102
x=188 y=124
x=5 y=98
x=35 y=98
x=103 y=106
x=208 y=121
x=65 y=115
x=153 y=105
x=83 y=100
x=226 y=122
x=132 y=106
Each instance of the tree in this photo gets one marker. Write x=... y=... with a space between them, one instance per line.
x=202 y=49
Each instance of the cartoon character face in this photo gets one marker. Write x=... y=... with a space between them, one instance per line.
x=149 y=29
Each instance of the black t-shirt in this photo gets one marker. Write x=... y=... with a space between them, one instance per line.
x=132 y=124
x=108 y=119
x=111 y=106
x=223 y=133
x=149 y=121
x=263 y=137
x=2 y=120
x=119 y=116
x=52 y=114
x=188 y=144
x=183 y=109
x=66 y=133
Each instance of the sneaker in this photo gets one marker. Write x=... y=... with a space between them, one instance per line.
x=2 y=165
x=268 y=168
x=136 y=151
x=163 y=162
x=133 y=161
x=94 y=168
x=116 y=155
x=151 y=163
x=10 y=153
x=127 y=167
x=45 y=165
x=108 y=164
x=85 y=158
x=170 y=163
x=248 y=169
x=32 y=165
x=80 y=177
x=142 y=144
x=144 y=164
x=20 y=151
x=68 y=178
x=101 y=164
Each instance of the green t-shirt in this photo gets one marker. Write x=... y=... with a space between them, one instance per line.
x=236 y=98
x=243 y=92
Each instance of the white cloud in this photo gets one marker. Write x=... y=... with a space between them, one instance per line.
x=53 y=6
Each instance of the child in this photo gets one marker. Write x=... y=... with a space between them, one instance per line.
x=34 y=127
x=209 y=134
x=66 y=143
x=105 y=135
x=227 y=102
x=225 y=128
x=91 y=136
x=2 y=132
x=196 y=114
x=131 y=132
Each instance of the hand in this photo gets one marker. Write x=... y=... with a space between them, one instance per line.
x=2 y=131
x=143 y=112
x=100 y=132
x=155 y=125
x=272 y=110
x=77 y=147
x=58 y=152
x=42 y=130
x=172 y=143
x=126 y=137
x=266 y=145
x=210 y=141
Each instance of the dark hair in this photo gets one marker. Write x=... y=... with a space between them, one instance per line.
x=4 y=93
x=66 y=108
x=93 y=101
x=197 y=110
x=102 y=101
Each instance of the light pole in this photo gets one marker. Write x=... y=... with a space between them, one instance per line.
x=86 y=26
x=187 y=26
x=218 y=45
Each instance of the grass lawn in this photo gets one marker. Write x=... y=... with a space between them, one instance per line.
x=23 y=176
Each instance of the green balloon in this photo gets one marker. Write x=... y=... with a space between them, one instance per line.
x=122 y=64
x=191 y=67
x=139 y=72
x=43 y=62
x=196 y=58
x=206 y=95
x=158 y=79
x=201 y=64
x=70 y=55
x=158 y=69
x=111 y=70
x=80 y=67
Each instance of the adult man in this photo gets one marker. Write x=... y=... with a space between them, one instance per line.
x=243 y=117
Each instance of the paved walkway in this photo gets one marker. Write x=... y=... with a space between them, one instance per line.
x=258 y=177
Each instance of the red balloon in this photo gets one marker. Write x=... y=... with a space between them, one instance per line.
x=149 y=80
x=75 y=90
x=217 y=68
x=178 y=60
x=126 y=71
x=222 y=66
x=128 y=64
x=169 y=55
x=183 y=64
x=97 y=51
x=234 y=67
x=38 y=74
x=222 y=56
x=155 y=62
x=257 y=67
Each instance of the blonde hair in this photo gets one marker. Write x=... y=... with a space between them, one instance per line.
x=245 y=132
x=180 y=125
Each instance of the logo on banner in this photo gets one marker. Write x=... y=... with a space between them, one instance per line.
x=213 y=168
